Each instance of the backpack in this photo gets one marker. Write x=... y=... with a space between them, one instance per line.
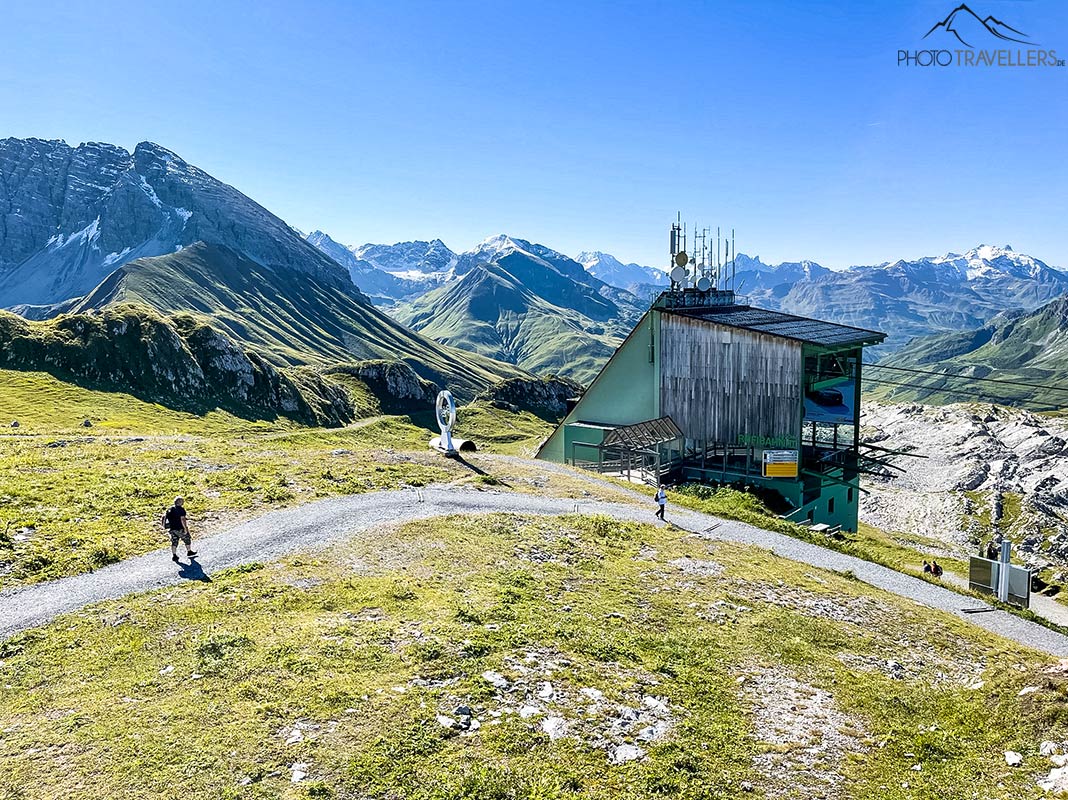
x=172 y=520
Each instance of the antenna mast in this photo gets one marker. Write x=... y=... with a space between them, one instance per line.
x=732 y=260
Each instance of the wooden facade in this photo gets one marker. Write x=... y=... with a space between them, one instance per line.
x=729 y=385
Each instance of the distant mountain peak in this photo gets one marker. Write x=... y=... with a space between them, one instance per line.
x=634 y=278
x=498 y=245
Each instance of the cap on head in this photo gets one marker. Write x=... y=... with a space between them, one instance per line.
x=178 y=501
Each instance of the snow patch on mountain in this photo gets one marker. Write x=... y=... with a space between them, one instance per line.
x=632 y=277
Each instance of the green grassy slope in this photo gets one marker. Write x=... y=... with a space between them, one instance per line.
x=1016 y=346
x=180 y=361
x=491 y=312
x=290 y=317
x=75 y=498
x=728 y=672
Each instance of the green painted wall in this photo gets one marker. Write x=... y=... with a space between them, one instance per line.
x=626 y=391
x=845 y=508
x=845 y=511
x=588 y=434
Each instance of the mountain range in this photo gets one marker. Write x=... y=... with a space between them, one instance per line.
x=954 y=292
x=72 y=215
x=1024 y=352
x=84 y=228
x=507 y=299
x=528 y=305
x=636 y=279
x=904 y=298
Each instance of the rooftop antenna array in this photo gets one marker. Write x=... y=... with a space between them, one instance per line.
x=703 y=269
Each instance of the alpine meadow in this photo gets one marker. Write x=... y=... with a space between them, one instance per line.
x=529 y=402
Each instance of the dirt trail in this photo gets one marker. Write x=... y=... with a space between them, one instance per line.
x=326 y=522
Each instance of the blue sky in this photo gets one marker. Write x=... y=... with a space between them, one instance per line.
x=579 y=125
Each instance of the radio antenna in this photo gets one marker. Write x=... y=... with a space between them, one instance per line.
x=732 y=259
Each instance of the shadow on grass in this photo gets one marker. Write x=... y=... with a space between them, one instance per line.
x=483 y=477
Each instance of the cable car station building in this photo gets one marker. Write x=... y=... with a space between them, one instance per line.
x=709 y=389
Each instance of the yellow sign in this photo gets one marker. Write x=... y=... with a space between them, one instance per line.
x=780 y=463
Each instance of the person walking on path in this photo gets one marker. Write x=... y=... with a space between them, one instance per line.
x=661 y=502
x=175 y=521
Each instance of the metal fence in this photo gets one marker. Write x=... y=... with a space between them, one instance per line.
x=984 y=577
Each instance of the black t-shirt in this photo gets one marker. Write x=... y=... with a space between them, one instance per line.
x=175 y=514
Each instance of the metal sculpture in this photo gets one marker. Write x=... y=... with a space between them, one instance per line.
x=445 y=411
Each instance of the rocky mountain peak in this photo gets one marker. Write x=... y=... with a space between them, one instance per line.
x=69 y=216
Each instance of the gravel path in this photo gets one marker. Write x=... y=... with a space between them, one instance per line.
x=326 y=522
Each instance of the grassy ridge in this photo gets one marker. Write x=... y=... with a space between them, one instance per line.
x=180 y=361
x=317 y=323
x=495 y=314
x=1029 y=347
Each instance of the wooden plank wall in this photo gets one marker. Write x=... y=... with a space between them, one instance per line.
x=719 y=383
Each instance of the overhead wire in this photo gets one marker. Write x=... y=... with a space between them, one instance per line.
x=990 y=398
x=957 y=376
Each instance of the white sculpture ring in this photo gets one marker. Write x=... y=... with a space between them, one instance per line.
x=445 y=410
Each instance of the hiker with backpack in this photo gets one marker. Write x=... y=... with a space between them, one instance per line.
x=661 y=502
x=175 y=523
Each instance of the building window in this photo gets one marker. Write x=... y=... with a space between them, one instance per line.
x=830 y=506
x=849 y=495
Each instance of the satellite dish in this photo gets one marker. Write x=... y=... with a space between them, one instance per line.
x=682 y=259
x=679 y=274
x=704 y=284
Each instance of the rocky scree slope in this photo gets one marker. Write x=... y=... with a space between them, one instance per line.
x=987 y=469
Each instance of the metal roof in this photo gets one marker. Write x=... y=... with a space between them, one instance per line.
x=787 y=326
x=642 y=435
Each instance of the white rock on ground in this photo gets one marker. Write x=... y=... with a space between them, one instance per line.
x=296 y=736
x=1056 y=782
x=1012 y=758
x=495 y=678
x=625 y=753
x=802 y=738
x=555 y=727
